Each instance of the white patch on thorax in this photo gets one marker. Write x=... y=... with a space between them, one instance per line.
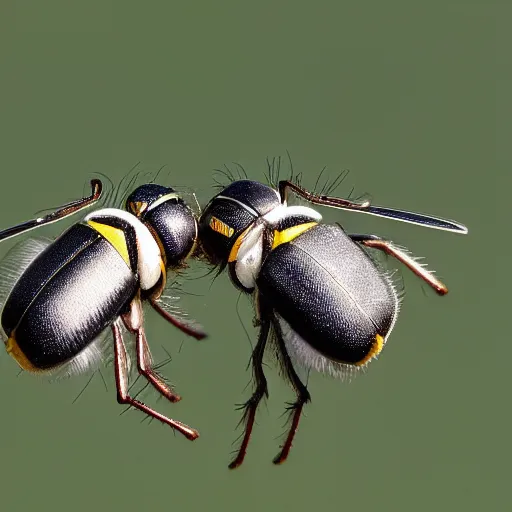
x=283 y=212
x=250 y=254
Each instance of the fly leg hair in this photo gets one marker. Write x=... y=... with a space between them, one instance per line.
x=121 y=373
x=145 y=367
x=303 y=396
x=376 y=242
x=261 y=389
x=195 y=332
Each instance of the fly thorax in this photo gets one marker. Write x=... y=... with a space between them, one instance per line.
x=281 y=224
x=287 y=222
x=133 y=240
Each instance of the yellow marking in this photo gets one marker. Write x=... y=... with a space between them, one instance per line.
x=161 y=248
x=163 y=270
x=374 y=351
x=289 y=234
x=233 y=254
x=221 y=227
x=192 y=249
x=158 y=291
x=115 y=236
x=138 y=207
x=194 y=245
x=15 y=351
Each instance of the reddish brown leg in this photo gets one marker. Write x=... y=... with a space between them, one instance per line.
x=376 y=242
x=134 y=322
x=260 y=391
x=121 y=372
x=295 y=411
x=303 y=396
x=196 y=333
x=336 y=202
x=144 y=365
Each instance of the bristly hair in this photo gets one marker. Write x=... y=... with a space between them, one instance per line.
x=226 y=175
x=273 y=174
x=116 y=194
x=273 y=171
x=222 y=177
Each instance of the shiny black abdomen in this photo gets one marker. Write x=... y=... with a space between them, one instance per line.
x=69 y=294
x=330 y=292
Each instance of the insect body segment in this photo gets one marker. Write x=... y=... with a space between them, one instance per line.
x=96 y=276
x=318 y=293
x=66 y=298
x=323 y=285
x=132 y=240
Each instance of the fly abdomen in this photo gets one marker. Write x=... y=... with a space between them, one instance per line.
x=75 y=301
x=334 y=297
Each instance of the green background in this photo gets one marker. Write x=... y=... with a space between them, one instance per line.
x=407 y=95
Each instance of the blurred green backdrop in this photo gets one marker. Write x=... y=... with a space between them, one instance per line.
x=404 y=94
